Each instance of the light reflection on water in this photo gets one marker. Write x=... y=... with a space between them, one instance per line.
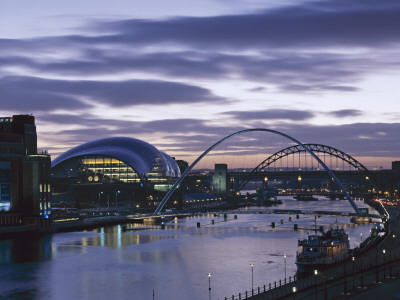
x=108 y=263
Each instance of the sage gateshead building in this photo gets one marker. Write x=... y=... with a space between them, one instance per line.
x=117 y=160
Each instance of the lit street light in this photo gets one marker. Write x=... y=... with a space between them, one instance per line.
x=384 y=263
x=116 y=197
x=252 y=265
x=316 y=284
x=209 y=285
x=294 y=289
x=353 y=259
x=284 y=256
x=98 y=203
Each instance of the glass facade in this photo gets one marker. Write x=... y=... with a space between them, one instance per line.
x=116 y=160
x=45 y=199
x=5 y=186
x=97 y=168
x=101 y=168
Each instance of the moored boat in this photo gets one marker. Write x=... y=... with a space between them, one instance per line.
x=320 y=251
x=301 y=197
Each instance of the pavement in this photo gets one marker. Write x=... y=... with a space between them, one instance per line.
x=390 y=289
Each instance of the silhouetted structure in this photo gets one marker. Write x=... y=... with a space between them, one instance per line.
x=220 y=179
x=25 y=191
x=111 y=172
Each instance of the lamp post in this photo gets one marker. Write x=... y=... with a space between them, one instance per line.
x=284 y=256
x=98 y=203
x=361 y=237
x=294 y=290
x=116 y=197
x=252 y=266
x=209 y=286
x=316 y=284
x=69 y=175
x=353 y=259
x=393 y=254
x=384 y=263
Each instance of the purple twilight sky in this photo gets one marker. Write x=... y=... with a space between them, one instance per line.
x=182 y=74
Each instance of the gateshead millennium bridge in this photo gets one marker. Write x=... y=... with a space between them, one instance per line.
x=300 y=147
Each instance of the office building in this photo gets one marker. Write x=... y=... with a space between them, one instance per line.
x=25 y=191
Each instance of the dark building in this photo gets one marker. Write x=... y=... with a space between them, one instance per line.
x=219 y=179
x=183 y=165
x=396 y=168
x=24 y=175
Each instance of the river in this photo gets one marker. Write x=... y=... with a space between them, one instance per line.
x=107 y=263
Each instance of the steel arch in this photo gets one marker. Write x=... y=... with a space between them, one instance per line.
x=338 y=182
x=297 y=149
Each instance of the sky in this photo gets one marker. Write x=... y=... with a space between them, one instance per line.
x=183 y=74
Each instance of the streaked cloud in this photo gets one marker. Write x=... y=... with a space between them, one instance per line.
x=346 y=113
x=305 y=68
x=271 y=114
x=33 y=93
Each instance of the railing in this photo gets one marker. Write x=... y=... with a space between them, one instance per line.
x=378 y=261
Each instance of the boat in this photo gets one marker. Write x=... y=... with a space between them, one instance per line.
x=301 y=197
x=360 y=220
x=319 y=251
x=267 y=196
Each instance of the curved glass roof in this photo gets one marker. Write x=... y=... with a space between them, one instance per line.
x=139 y=155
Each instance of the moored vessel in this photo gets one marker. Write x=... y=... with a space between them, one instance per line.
x=306 y=197
x=319 y=251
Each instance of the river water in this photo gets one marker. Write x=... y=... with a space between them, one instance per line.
x=107 y=263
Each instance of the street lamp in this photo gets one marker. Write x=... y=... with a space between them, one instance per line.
x=252 y=265
x=361 y=237
x=116 y=197
x=353 y=259
x=316 y=284
x=98 y=203
x=209 y=285
x=69 y=174
x=294 y=290
x=284 y=256
x=384 y=263
x=392 y=254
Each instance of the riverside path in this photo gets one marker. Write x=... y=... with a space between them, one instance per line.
x=370 y=271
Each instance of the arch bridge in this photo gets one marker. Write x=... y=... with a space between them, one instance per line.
x=304 y=147
x=292 y=150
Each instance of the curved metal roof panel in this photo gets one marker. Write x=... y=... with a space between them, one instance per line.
x=141 y=156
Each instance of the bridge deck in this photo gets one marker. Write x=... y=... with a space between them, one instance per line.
x=302 y=212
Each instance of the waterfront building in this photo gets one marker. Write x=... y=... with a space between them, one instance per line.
x=106 y=166
x=201 y=200
x=24 y=175
x=219 y=179
x=117 y=159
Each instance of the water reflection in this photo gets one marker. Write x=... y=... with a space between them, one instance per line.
x=110 y=262
x=26 y=249
x=21 y=262
x=112 y=237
